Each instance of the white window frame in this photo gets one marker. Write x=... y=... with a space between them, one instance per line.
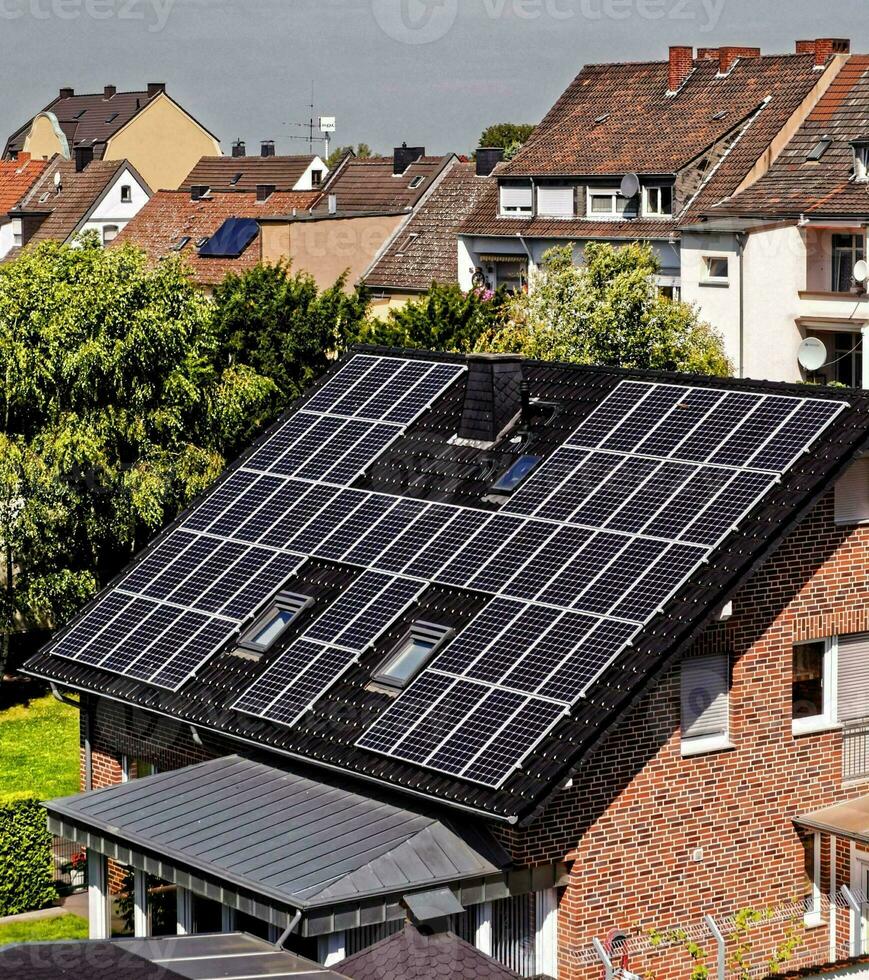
x=116 y=229
x=719 y=741
x=861 y=162
x=564 y=188
x=516 y=211
x=827 y=720
x=647 y=207
x=708 y=278
x=813 y=916
x=126 y=193
x=613 y=214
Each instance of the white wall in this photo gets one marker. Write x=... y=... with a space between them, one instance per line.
x=112 y=210
x=7 y=238
x=304 y=182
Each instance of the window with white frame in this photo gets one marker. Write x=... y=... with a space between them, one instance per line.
x=705 y=702
x=861 y=161
x=658 y=201
x=852 y=494
x=608 y=203
x=812 y=683
x=517 y=199
x=126 y=194
x=716 y=269
x=555 y=201
x=110 y=233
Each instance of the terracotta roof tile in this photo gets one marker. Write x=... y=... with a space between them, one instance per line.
x=16 y=178
x=218 y=172
x=370 y=185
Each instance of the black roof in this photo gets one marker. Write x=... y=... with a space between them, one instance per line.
x=461 y=474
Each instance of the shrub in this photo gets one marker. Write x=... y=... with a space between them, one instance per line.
x=26 y=869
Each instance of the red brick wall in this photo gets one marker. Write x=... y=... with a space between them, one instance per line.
x=638 y=811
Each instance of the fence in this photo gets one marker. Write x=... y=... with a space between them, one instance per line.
x=855 y=750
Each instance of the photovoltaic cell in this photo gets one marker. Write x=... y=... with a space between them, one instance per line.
x=660 y=485
x=580 y=571
x=730 y=410
x=594 y=470
x=339 y=384
x=616 y=491
x=311 y=684
x=656 y=585
x=733 y=503
x=691 y=412
x=603 y=419
x=421 y=696
x=321 y=429
x=548 y=477
x=280 y=441
x=328 y=454
x=678 y=512
x=363 y=454
x=802 y=428
x=587 y=659
x=510 y=558
x=424 y=394
x=392 y=392
x=547 y=562
x=348 y=606
x=456 y=529
x=381 y=536
x=757 y=427
x=617 y=578
x=291 y=522
x=347 y=534
x=214 y=505
x=477 y=636
x=474 y=553
x=643 y=419
x=512 y=645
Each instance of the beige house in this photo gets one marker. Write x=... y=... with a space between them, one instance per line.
x=158 y=137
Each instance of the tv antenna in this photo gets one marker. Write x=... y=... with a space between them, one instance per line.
x=324 y=124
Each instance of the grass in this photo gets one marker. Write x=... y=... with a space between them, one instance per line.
x=39 y=753
x=44 y=930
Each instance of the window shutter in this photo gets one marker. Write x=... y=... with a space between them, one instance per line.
x=853 y=677
x=555 y=202
x=852 y=494
x=705 y=696
x=516 y=197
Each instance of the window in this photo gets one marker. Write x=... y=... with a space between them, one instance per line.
x=819 y=149
x=811 y=687
x=716 y=268
x=658 y=202
x=182 y=242
x=17 y=233
x=413 y=652
x=235 y=178
x=522 y=468
x=112 y=117
x=812 y=879
x=110 y=233
x=852 y=681
x=126 y=194
x=316 y=178
x=555 y=201
x=848 y=250
x=272 y=625
x=852 y=495
x=705 y=698
x=603 y=204
x=861 y=161
x=516 y=199
x=416 y=181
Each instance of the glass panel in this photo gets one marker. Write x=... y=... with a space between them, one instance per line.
x=601 y=204
x=273 y=628
x=847 y=251
x=808 y=680
x=207 y=915
x=409 y=659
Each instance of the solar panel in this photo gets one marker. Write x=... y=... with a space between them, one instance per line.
x=230 y=239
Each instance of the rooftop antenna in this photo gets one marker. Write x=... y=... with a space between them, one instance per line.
x=325 y=125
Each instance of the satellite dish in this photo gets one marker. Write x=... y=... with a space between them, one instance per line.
x=812 y=354
x=630 y=186
x=861 y=271
x=57 y=179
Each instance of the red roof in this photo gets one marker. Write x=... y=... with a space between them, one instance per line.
x=16 y=178
x=364 y=186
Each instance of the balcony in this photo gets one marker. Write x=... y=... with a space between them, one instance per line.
x=855 y=750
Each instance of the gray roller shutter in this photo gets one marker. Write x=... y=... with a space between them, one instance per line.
x=852 y=494
x=705 y=696
x=853 y=679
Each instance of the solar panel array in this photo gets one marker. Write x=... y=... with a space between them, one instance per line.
x=196 y=589
x=590 y=547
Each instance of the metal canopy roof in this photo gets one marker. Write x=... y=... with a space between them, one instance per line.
x=849 y=820
x=281 y=836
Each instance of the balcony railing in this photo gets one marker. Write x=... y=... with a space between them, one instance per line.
x=855 y=749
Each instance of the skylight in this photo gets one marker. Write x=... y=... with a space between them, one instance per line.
x=411 y=654
x=181 y=243
x=417 y=181
x=236 y=178
x=720 y=115
x=820 y=148
x=271 y=626
x=231 y=238
x=511 y=479
x=602 y=118
x=79 y=114
x=112 y=117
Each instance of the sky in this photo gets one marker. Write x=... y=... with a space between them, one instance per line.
x=433 y=73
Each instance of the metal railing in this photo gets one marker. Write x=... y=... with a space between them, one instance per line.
x=855 y=749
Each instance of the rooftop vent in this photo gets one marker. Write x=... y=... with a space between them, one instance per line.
x=264 y=192
x=493 y=396
x=488 y=157
x=66 y=93
x=267 y=148
x=239 y=149
x=681 y=65
x=110 y=91
x=155 y=88
x=403 y=156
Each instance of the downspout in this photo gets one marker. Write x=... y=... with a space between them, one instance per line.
x=285 y=935
x=88 y=737
x=741 y=241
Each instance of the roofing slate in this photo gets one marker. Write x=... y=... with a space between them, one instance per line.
x=219 y=173
x=282 y=835
x=417 y=954
x=425 y=464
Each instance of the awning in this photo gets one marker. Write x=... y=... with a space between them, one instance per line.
x=849 y=820
x=504 y=258
x=271 y=842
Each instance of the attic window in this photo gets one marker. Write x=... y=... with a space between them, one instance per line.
x=126 y=194
x=201 y=241
x=602 y=118
x=235 y=178
x=720 y=115
x=181 y=243
x=415 y=649
x=406 y=244
x=861 y=161
x=277 y=619
x=416 y=181
x=79 y=114
x=819 y=149
x=509 y=480
x=316 y=178
x=112 y=117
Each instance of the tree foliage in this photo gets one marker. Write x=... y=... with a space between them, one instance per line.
x=606 y=311
x=509 y=136
x=362 y=150
x=26 y=872
x=115 y=410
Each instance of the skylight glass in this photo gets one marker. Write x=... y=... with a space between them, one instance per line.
x=820 y=148
x=523 y=467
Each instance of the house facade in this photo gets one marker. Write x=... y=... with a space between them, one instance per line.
x=555 y=655
x=16 y=178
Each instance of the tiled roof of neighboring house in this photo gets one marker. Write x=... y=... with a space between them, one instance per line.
x=370 y=185
x=171 y=216
x=90 y=119
x=219 y=173
x=641 y=128
x=797 y=185
x=16 y=178
x=68 y=207
x=414 y=954
x=425 y=249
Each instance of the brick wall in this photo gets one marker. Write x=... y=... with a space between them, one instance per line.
x=638 y=813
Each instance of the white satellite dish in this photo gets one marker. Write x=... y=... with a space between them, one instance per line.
x=630 y=186
x=812 y=354
x=861 y=271
x=57 y=179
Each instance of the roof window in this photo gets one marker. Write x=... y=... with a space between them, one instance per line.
x=112 y=117
x=819 y=149
x=235 y=178
x=416 y=181
x=183 y=241
x=523 y=467
x=79 y=114
x=602 y=118
x=415 y=649
x=284 y=610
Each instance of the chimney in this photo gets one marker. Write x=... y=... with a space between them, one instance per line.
x=83 y=156
x=264 y=192
x=493 y=395
x=333 y=204
x=66 y=93
x=155 y=88
x=110 y=91
x=488 y=157
x=823 y=48
x=239 y=149
x=708 y=54
x=267 y=148
x=681 y=64
x=403 y=156
x=728 y=55
x=198 y=191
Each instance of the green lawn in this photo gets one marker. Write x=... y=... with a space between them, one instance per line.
x=38 y=749
x=44 y=930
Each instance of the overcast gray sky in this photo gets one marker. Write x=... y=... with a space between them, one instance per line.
x=431 y=72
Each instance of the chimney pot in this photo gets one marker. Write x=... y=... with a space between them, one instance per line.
x=267 y=148
x=66 y=93
x=728 y=55
x=488 y=157
x=264 y=192
x=681 y=64
x=403 y=156
x=83 y=156
x=110 y=91
x=493 y=395
x=824 y=48
x=239 y=149
x=155 y=88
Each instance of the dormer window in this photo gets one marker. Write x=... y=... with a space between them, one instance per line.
x=861 y=161
x=517 y=199
x=658 y=201
x=608 y=203
x=413 y=652
x=271 y=626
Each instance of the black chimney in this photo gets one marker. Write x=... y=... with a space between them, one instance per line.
x=66 y=93
x=267 y=148
x=110 y=91
x=155 y=88
x=198 y=191
x=488 y=157
x=264 y=192
x=404 y=156
x=83 y=156
x=239 y=149
x=493 y=395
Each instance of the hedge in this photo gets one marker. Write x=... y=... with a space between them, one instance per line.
x=26 y=865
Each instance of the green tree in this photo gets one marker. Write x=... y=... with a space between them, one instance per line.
x=444 y=319
x=509 y=136
x=607 y=311
x=284 y=328
x=362 y=150
x=115 y=410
